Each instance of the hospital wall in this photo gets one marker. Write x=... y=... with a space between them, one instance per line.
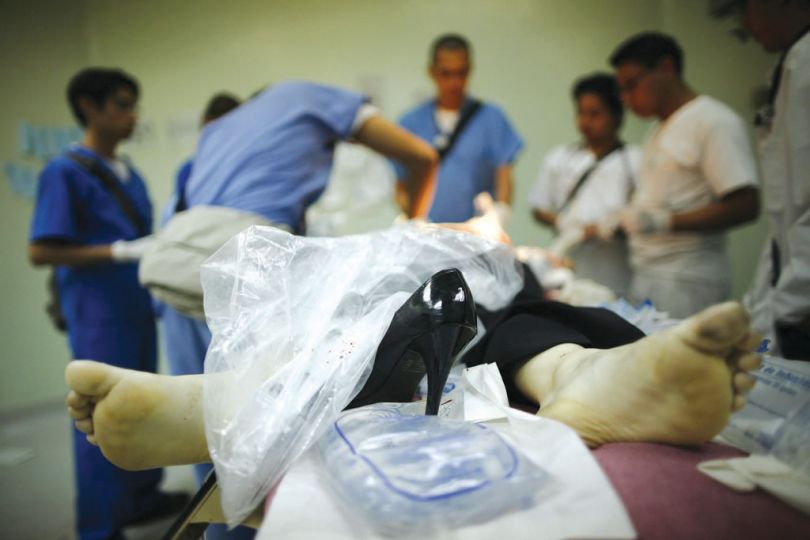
x=527 y=53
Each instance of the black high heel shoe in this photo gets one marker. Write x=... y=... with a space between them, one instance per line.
x=424 y=336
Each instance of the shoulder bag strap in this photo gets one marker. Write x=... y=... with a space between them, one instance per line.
x=113 y=185
x=466 y=115
x=583 y=178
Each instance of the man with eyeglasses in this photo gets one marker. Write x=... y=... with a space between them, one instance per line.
x=91 y=220
x=697 y=180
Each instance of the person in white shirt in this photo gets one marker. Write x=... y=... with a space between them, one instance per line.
x=779 y=298
x=697 y=180
x=583 y=183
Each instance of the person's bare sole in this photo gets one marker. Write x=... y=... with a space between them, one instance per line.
x=679 y=386
x=139 y=420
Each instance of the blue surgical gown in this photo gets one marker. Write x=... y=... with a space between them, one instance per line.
x=273 y=155
x=487 y=142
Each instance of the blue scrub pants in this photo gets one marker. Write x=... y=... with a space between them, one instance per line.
x=187 y=340
x=108 y=497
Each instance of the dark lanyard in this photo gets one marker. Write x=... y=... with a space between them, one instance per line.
x=469 y=111
x=584 y=177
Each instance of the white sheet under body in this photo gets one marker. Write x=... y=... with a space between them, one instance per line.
x=583 y=504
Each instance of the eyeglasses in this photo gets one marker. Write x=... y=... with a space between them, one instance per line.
x=125 y=105
x=631 y=83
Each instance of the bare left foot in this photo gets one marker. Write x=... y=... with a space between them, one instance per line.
x=139 y=420
x=679 y=386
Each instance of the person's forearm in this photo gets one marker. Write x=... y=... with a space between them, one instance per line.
x=68 y=255
x=401 y=197
x=420 y=183
x=504 y=184
x=545 y=217
x=734 y=209
x=417 y=157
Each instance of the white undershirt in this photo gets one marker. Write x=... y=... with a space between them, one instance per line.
x=446 y=119
x=364 y=113
x=119 y=167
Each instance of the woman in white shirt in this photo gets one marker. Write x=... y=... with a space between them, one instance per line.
x=581 y=184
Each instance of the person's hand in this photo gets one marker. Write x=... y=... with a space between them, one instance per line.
x=608 y=227
x=486 y=206
x=644 y=220
x=567 y=240
x=130 y=250
x=504 y=212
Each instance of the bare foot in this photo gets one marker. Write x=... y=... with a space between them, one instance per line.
x=139 y=420
x=679 y=386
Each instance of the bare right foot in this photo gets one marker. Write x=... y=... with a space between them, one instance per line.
x=679 y=386
x=139 y=420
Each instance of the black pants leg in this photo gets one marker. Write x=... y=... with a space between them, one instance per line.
x=531 y=325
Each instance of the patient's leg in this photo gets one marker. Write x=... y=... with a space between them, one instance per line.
x=139 y=420
x=679 y=386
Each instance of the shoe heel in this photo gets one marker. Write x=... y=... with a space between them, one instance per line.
x=424 y=336
x=438 y=350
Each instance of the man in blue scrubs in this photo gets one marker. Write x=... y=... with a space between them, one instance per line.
x=82 y=229
x=272 y=156
x=482 y=157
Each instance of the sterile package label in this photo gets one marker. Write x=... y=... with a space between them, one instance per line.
x=782 y=387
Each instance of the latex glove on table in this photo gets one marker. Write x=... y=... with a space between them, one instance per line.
x=763 y=471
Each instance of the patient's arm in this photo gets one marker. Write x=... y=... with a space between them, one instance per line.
x=678 y=386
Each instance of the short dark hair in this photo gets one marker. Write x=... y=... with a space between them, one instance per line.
x=648 y=49
x=219 y=105
x=449 y=42
x=98 y=84
x=605 y=86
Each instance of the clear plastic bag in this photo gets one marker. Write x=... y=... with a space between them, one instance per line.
x=296 y=323
x=792 y=440
x=413 y=475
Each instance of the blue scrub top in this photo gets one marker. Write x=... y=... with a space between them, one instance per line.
x=488 y=142
x=181 y=179
x=273 y=155
x=72 y=205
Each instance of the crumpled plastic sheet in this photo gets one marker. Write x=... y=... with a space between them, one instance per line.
x=295 y=325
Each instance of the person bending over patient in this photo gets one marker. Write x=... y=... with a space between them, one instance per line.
x=679 y=386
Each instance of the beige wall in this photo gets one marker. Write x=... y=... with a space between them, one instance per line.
x=42 y=43
x=527 y=53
